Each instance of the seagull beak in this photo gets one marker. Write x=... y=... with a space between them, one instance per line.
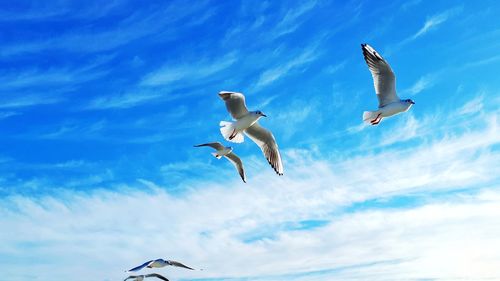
x=412 y=102
x=264 y=115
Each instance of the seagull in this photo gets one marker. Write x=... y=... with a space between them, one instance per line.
x=227 y=152
x=246 y=122
x=159 y=263
x=142 y=277
x=385 y=86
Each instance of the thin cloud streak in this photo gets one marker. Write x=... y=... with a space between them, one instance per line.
x=430 y=24
x=169 y=73
x=271 y=75
x=140 y=24
x=436 y=20
x=420 y=85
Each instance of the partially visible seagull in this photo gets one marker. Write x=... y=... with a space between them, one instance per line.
x=246 y=121
x=384 y=81
x=227 y=152
x=141 y=277
x=159 y=263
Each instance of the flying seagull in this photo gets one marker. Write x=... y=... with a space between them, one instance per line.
x=227 y=152
x=142 y=277
x=159 y=263
x=385 y=87
x=246 y=122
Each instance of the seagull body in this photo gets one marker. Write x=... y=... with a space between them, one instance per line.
x=142 y=277
x=246 y=122
x=227 y=152
x=159 y=263
x=235 y=104
x=384 y=81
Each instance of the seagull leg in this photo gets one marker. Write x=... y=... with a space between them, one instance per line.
x=232 y=135
x=377 y=119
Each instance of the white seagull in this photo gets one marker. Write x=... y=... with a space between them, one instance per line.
x=159 y=263
x=384 y=81
x=227 y=152
x=142 y=277
x=246 y=122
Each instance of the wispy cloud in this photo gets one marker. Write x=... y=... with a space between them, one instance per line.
x=37 y=78
x=331 y=69
x=126 y=100
x=271 y=75
x=144 y=22
x=420 y=85
x=59 y=11
x=29 y=100
x=473 y=106
x=290 y=21
x=436 y=20
x=407 y=128
x=171 y=73
x=409 y=4
x=430 y=24
x=7 y=114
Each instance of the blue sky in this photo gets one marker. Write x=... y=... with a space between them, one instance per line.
x=101 y=103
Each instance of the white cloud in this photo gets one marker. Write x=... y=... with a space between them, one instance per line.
x=408 y=128
x=126 y=100
x=171 y=73
x=276 y=73
x=473 y=106
x=422 y=84
x=19 y=79
x=290 y=21
x=110 y=231
x=138 y=25
x=7 y=114
x=436 y=20
x=29 y=100
x=430 y=24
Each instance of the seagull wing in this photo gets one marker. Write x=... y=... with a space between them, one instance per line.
x=178 y=264
x=235 y=103
x=132 y=277
x=265 y=140
x=216 y=145
x=141 y=266
x=238 y=164
x=157 y=276
x=384 y=79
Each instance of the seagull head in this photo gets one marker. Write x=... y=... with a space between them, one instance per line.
x=409 y=101
x=259 y=113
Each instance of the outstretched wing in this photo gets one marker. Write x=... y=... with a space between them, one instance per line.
x=235 y=103
x=157 y=276
x=178 y=264
x=384 y=79
x=216 y=145
x=132 y=277
x=233 y=158
x=265 y=140
x=137 y=268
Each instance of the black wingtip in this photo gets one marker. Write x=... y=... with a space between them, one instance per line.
x=363 y=45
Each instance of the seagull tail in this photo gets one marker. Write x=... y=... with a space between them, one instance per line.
x=216 y=155
x=368 y=116
x=228 y=131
